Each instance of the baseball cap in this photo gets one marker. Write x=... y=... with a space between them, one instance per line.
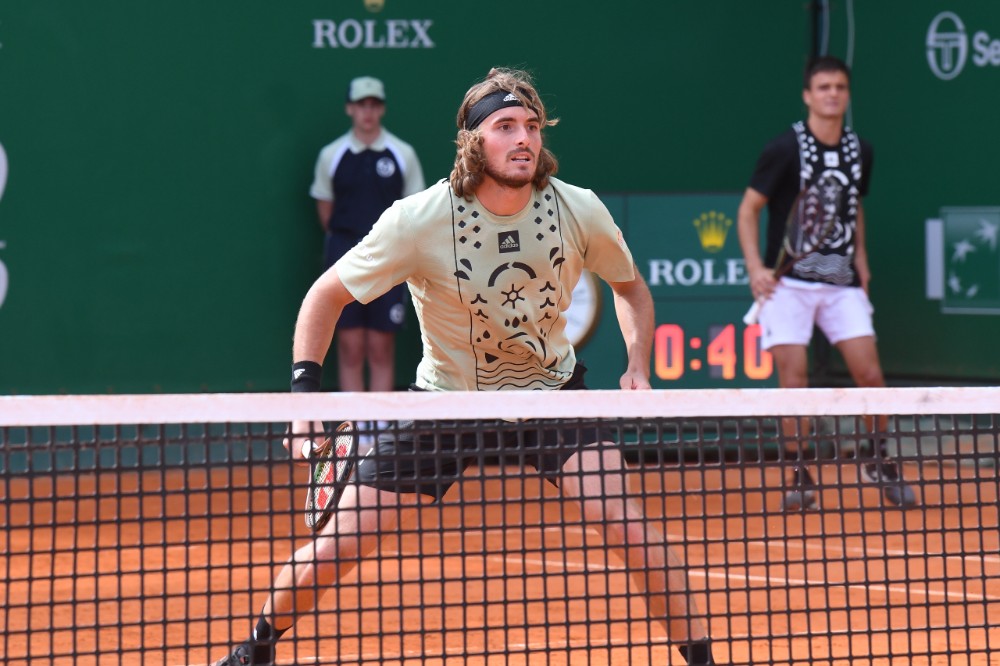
x=365 y=86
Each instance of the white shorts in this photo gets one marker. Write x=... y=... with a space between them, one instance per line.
x=788 y=317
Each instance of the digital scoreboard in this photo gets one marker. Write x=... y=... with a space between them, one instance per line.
x=687 y=249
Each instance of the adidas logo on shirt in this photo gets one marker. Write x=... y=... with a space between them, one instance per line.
x=509 y=241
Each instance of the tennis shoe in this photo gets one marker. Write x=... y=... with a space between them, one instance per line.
x=249 y=654
x=885 y=473
x=799 y=499
x=804 y=491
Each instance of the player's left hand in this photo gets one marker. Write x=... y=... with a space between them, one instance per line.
x=634 y=380
x=300 y=434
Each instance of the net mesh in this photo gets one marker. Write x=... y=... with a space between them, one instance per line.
x=153 y=529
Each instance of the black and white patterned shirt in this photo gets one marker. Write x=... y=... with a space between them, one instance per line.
x=791 y=162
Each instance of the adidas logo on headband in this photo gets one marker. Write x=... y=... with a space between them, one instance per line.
x=488 y=105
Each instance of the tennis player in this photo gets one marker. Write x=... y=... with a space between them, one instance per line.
x=828 y=288
x=491 y=257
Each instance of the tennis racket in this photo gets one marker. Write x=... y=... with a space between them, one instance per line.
x=330 y=465
x=812 y=219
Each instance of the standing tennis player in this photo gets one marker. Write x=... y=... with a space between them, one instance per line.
x=828 y=288
x=491 y=258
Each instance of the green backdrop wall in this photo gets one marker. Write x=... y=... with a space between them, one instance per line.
x=156 y=232
x=926 y=91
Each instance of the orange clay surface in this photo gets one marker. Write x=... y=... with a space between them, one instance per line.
x=95 y=572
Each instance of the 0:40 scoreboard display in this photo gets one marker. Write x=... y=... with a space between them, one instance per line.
x=688 y=250
x=726 y=352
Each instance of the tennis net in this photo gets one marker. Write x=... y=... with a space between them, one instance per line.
x=152 y=529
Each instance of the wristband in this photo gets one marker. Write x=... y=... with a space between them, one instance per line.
x=306 y=376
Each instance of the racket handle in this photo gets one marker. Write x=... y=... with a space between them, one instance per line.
x=750 y=318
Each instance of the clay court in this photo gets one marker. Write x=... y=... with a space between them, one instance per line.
x=165 y=579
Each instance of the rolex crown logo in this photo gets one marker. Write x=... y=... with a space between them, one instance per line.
x=374 y=5
x=712 y=229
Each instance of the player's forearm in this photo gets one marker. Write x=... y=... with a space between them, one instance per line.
x=748 y=231
x=318 y=317
x=634 y=308
x=313 y=333
x=748 y=228
x=861 y=259
x=861 y=249
x=860 y=235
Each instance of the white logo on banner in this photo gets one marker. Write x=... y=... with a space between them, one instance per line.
x=372 y=34
x=963 y=259
x=948 y=47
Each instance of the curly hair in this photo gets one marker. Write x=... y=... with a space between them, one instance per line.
x=470 y=159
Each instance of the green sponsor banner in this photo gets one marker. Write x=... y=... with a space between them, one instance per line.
x=935 y=311
x=971 y=261
x=687 y=249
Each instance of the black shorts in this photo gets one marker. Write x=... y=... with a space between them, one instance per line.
x=427 y=457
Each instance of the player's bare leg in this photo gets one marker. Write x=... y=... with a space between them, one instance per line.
x=362 y=517
x=861 y=356
x=792 y=364
x=596 y=478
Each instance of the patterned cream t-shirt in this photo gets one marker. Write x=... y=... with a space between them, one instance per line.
x=489 y=291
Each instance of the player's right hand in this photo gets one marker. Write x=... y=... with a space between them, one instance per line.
x=302 y=437
x=762 y=283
